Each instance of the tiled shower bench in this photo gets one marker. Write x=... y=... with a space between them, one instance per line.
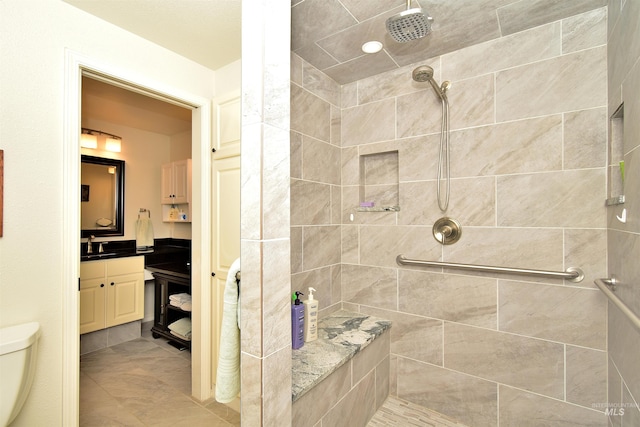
x=343 y=376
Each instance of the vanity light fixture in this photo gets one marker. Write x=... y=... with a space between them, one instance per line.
x=89 y=139
x=372 y=46
x=112 y=144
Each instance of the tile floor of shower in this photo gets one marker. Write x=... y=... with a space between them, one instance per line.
x=147 y=382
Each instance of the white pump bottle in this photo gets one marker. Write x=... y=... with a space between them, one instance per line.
x=311 y=321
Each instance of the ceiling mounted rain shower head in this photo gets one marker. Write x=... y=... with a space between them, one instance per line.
x=411 y=24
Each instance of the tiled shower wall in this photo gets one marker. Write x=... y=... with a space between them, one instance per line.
x=528 y=162
x=624 y=238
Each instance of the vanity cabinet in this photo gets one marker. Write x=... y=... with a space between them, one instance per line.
x=111 y=292
x=170 y=279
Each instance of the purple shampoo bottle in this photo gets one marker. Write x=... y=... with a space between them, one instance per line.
x=297 y=321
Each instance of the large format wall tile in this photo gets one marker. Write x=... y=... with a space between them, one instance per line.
x=463 y=299
x=414 y=337
x=624 y=347
x=318 y=83
x=527 y=363
x=536 y=248
x=554 y=199
x=419 y=113
x=528 y=46
x=320 y=161
x=357 y=407
x=583 y=31
x=542 y=88
x=373 y=286
x=517 y=147
x=469 y=399
x=471 y=104
x=522 y=409
x=393 y=83
x=310 y=115
x=314 y=19
x=586 y=376
x=276 y=309
x=320 y=246
x=381 y=245
x=472 y=202
x=418 y=158
x=564 y=314
x=521 y=15
x=585 y=139
x=310 y=203
x=368 y=123
x=276 y=376
x=587 y=250
x=310 y=408
x=624 y=44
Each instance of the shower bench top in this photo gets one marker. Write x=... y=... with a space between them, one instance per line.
x=341 y=335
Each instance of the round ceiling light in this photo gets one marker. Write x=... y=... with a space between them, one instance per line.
x=372 y=47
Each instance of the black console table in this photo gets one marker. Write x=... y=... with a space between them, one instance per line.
x=170 y=279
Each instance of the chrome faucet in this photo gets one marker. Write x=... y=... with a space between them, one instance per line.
x=89 y=244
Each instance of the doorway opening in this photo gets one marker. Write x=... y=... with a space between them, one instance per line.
x=77 y=66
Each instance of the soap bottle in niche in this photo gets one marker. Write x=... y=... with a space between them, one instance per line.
x=297 y=321
x=311 y=322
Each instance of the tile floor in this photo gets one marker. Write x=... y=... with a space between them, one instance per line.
x=147 y=382
x=144 y=382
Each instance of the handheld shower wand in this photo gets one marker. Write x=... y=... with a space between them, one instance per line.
x=424 y=73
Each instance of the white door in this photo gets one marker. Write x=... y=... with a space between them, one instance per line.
x=225 y=206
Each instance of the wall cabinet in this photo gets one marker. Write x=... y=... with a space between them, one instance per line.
x=176 y=190
x=111 y=292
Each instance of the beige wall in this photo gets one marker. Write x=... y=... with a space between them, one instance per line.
x=528 y=147
x=31 y=134
x=624 y=239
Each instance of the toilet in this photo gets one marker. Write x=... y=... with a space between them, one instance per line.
x=18 y=350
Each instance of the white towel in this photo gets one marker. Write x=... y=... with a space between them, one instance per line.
x=180 y=298
x=181 y=327
x=144 y=233
x=228 y=376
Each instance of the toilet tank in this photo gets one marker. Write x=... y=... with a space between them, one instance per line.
x=18 y=349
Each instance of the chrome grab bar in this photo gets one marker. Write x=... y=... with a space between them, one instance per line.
x=608 y=286
x=572 y=274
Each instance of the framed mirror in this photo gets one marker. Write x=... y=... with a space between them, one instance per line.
x=101 y=197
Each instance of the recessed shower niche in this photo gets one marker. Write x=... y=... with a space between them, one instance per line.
x=379 y=182
x=616 y=171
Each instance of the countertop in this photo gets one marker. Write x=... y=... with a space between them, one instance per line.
x=178 y=269
x=341 y=335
